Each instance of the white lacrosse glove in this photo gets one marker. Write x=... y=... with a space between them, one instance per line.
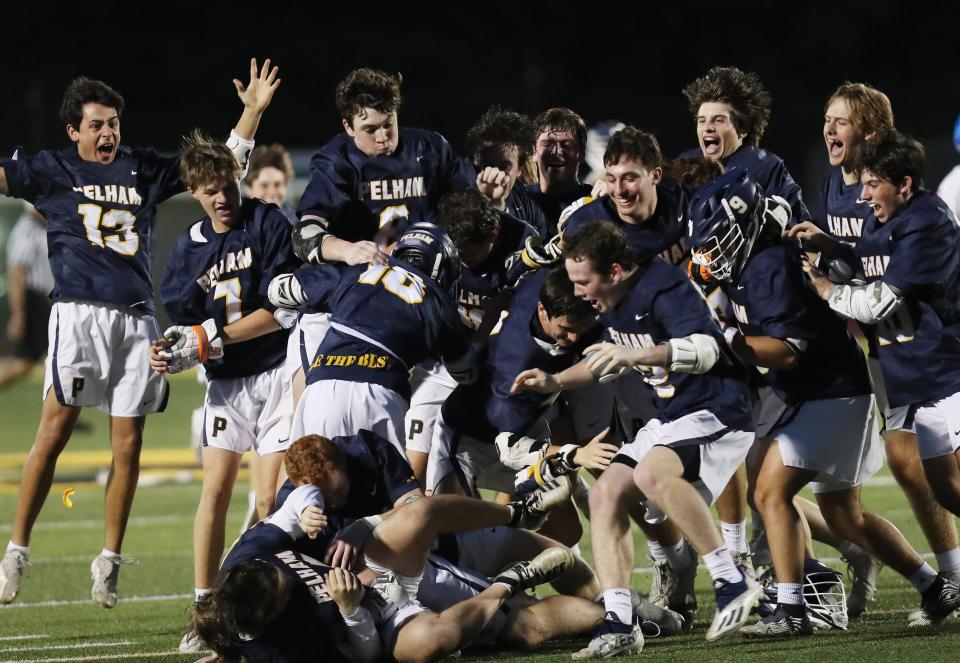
x=285 y=291
x=518 y=452
x=192 y=345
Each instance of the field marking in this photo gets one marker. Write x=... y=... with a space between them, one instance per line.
x=33 y=636
x=125 y=599
x=75 y=645
x=67 y=559
x=96 y=523
x=824 y=560
x=99 y=657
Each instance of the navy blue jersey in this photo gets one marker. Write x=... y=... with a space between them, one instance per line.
x=843 y=213
x=768 y=171
x=101 y=219
x=520 y=204
x=518 y=342
x=386 y=318
x=917 y=252
x=497 y=271
x=311 y=622
x=225 y=276
x=772 y=297
x=663 y=234
x=663 y=304
x=553 y=206
x=359 y=194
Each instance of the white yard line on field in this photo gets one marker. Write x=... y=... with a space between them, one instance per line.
x=75 y=645
x=93 y=523
x=100 y=657
x=125 y=599
x=32 y=636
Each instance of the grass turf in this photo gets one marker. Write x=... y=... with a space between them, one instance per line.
x=54 y=620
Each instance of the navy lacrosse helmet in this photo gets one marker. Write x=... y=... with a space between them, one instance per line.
x=823 y=594
x=726 y=217
x=429 y=249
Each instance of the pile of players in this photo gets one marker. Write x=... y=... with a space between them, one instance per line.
x=423 y=327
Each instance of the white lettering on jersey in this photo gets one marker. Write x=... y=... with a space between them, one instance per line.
x=875 y=265
x=232 y=262
x=845 y=226
x=110 y=193
x=408 y=187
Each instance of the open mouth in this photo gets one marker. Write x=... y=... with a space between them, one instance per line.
x=711 y=146
x=105 y=149
x=224 y=210
x=835 y=147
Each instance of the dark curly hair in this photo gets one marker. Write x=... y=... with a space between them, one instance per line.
x=368 y=88
x=83 y=90
x=749 y=100
x=893 y=156
x=502 y=125
x=692 y=172
x=204 y=160
x=311 y=458
x=561 y=119
x=635 y=144
x=602 y=244
x=557 y=298
x=467 y=218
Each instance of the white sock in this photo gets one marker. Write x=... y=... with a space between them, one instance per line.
x=656 y=551
x=678 y=557
x=199 y=593
x=11 y=546
x=923 y=577
x=850 y=548
x=617 y=602
x=410 y=584
x=947 y=562
x=721 y=567
x=735 y=536
x=790 y=593
x=109 y=554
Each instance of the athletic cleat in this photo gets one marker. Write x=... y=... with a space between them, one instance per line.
x=735 y=600
x=612 y=639
x=940 y=599
x=744 y=562
x=105 y=572
x=779 y=625
x=681 y=596
x=545 y=567
x=863 y=569
x=15 y=563
x=192 y=644
x=530 y=510
x=655 y=621
x=660 y=582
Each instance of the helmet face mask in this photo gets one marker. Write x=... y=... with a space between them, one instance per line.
x=429 y=249
x=823 y=593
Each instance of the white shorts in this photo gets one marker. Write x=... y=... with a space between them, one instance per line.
x=340 y=407
x=97 y=356
x=431 y=385
x=722 y=449
x=304 y=340
x=253 y=412
x=767 y=410
x=837 y=437
x=936 y=423
x=482 y=550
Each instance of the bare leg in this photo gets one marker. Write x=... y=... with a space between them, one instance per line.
x=944 y=475
x=14 y=370
x=610 y=498
x=846 y=516
x=524 y=544
x=554 y=617
x=937 y=522
x=564 y=525
x=220 y=469
x=732 y=503
x=264 y=482
x=418 y=462
x=56 y=425
x=776 y=486
x=126 y=438
x=298 y=384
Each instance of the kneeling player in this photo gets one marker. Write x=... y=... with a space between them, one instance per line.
x=215 y=283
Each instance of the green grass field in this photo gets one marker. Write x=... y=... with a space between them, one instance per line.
x=53 y=619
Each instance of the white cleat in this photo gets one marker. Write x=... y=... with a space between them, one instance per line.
x=735 y=600
x=613 y=638
x=192 y=644
x=105 y=572
x=15 y=563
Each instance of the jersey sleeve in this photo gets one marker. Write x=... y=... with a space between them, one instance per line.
x=782 y=184
x=457 y=174
x=680 y=308
x=923 y=254
x=328 y=190
x=319 y=283
x=27 y=177
x=776 y=304
x=277 y=250
x=395 y=471
x=163 y=173
x=445 y=333
x=182 y=298
x=819 y=217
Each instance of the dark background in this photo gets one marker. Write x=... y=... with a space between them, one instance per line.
x=173 y=63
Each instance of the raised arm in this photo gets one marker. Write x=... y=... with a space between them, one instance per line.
x=256 y=96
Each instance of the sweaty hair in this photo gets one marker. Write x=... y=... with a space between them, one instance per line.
x=467 y=218
x=85 y=90
x=204 y=160
x=870 y=109
x=501 y=125
x=556 y=295
x=368 y=88
x=311 y=458
x=749 y=100
x=561 y=119
x=893 y=156
x=602 y=244
x=694 y=172
x=634 y=144
x=269 y=156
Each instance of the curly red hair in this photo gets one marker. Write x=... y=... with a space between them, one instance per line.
x=312 y=458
